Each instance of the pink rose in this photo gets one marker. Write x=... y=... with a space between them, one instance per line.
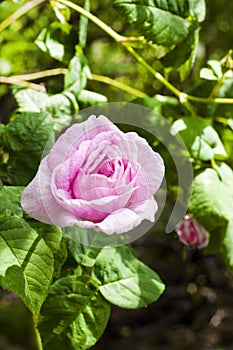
x=191 y=233
x=97 y=177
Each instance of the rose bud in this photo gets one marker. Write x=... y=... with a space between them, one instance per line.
x=98 y=177
x=191 y=233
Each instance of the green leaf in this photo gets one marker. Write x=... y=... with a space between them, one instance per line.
x=89 y=238
x=213 y=73
x=78 y=71
x=179 y=7
x=90 y=98
x=83 y=254
x=124 y=280
x=216 y=67
x=74 y=315
x=200 y=137
x=25 y=139
x=58 y=41
x=155 y=21
x=27 y=261
x=188 y=64
x=10 y=201
x=2 y=130
x=182 y=52
x=29 y=100
x=59 y=107
x=62 y=12
x=212 y=197
x=226 y=89
x=197 y=9
x=230 y=123
x=54 y=240
x=228 y=244
x=208 y=74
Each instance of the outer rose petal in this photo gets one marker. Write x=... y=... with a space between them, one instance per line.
x=146 y=210
x=38 y=201
x=31 y=200
x=124 y=219
x=152 y=166
x=68 y=142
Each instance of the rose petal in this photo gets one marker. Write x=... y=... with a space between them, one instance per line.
x=124 y=220
x=120 y=221
x=152 y=164
x=146 y=210
x=31 y=199
x=192 y=233
x=69 y=142
x=94 y=210
x=102 y=148
x=66 y=172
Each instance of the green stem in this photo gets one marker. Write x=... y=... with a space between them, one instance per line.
x=217 y=87
x=183 y=97
x=118 y=85
x=17 y=81
x=218 y=100
x=156 y=74
x=38 y=339
x=20 y=80
x=95 y=20
x=19 y=13
x=213 y=163
x=37 y=343
x=125 y=42
x=222 y=120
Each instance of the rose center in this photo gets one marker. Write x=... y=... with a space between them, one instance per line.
x=108 y=167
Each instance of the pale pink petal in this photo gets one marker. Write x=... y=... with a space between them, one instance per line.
x=65 y=173
x=94 y=210
x=124 y=220
x=150 y=161
x=31 y=199
x=70 y=141
x=38 y=201
x=120 y=221
x=152 y=170
x=132 y=135
x=102 y=147
x=92 y=187
x=145 y=210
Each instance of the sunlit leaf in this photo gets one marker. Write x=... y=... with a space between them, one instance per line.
x=74 y=315
x=27 y=260
x=200 y=137
x=124 y=280
x=58 y=41
x=25 y=139
x=212 y=197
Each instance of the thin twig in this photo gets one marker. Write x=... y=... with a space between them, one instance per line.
x=14 y=81
x=19 y=13
x=118 y=85
x=41 y=74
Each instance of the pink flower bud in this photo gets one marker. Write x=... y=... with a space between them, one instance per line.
x=191 y=233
